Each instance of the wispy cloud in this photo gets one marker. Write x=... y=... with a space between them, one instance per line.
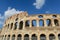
x=39 y=3
x=9 y=12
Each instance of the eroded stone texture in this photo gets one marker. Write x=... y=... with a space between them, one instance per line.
x=31 y=27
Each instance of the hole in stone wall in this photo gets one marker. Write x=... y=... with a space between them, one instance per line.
x=41 y=22
x=21 y=25
x=56 y=22
x=40 y=16
x=34 y=23
x=27 y=23
x=48 y=22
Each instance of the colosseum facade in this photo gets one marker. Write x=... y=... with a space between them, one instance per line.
x=31 y=27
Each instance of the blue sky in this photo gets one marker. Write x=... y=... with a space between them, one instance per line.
x=31 y=6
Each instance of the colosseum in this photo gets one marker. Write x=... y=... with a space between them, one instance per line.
x=31 y=27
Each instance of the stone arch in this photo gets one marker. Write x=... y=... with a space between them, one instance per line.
x=54 y=16
x=34 y=37
x=56 y=22
x=40 y=16
x=16 y=19
x=26 y=37
x=58 y=36
x=41 y=22
x=13 y=37
x=42 y=37
x=21 y=25
x=34 y=24
x=48 y=22
x=19 y=37
x=8 y=37
x=27 y=23
x=15 y=26
x=11 y=25
x=51 y=37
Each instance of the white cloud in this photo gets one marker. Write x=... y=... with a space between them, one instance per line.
x=39 y=3
x=11 y=12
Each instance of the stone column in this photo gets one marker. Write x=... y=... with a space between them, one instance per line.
x=56 y=37
x=18 y=26
x=9 y=26
x=45 y=24
x=22 y=37
x=24 y=24
x=3 y=37
x=30 y=23
x=10 y=37
x=38 y=37
x=52 y=21
x=47 y=37
x=16 y=37
x=29 y=37
x=37 y=23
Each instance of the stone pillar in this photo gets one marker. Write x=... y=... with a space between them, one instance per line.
x=3 y=37
x=22 y=37
x=24 y=24
x=9 y=26
x=52 y=21
x=10 y=37
x=37 y=23
x=29 y=37
x=56 y=37
x=45 y=24
x=38 y=37
x=30 y=23
x=47 y=37
x=18 y=26
x=16 y=37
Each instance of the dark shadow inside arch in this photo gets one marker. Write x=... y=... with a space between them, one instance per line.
x=19 y=37
x=27 y=23
x=56 y=22
x=21 y=25
x=11 y=25
x=8 y=37
x=26 y=37
x=48 y=22
x=15 y=26
x=13 y=37
x=51 y=37
x=42 y=37
x=34 y=37
x=58 y=36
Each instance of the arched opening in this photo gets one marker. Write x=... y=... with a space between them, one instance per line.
x=5 y=37
x=16 y=24
x=41 y=22
x=16 y=19
x=54 y=16
x=13 y=37
x=26 y=37
x=42 y=37
x=19 y=37
x=11 y=25
x=27 y=23
x=51 y=37
x=58 y=36
x=8 y=37
x=34 y=23
x=21 y=25
x=8 y=25
x=48 y=22
x=34 y=37
x=56 y=22
x=40 y=16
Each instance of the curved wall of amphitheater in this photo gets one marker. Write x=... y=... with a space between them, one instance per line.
x=31 y=27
